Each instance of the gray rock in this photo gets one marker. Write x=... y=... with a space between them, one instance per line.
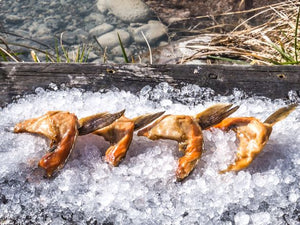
x=118 y=59
x=117 y=51
x=81 y=35
x=54 y=23
x=111 y=40
x=42 y=29
x=97 y=17
x=126 y=10
x=102 y=6
x=97 y=61
x=101 y=29
x=48 y=40
x=163 y=43
x=12 y=19
x=75 y=37
x=93 y=56
x=153 y=31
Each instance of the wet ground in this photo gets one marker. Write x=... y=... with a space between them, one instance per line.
x=40 y=24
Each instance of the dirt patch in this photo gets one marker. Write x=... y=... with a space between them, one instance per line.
x=173 y=10
x=191 y=17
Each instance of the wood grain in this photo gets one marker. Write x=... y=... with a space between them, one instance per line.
x=17 y=79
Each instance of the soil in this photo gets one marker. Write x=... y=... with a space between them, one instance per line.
x=181 y=15
x=171 y=10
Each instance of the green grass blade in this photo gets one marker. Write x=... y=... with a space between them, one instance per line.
x=65 y=51
x=290 y=63
x=78 y=55
x=47 y=59
x=57 y=52
x=83 y=52
x=123 y=49
x=98 y=43
x=227 y=60
x=87 y=55
x=286 y=56
x=66 y=54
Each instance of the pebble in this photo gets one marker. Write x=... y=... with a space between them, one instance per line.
x=93 y=56
x=81 y=21
x=101 y=29
x=153 y=31
x=119 y=59
x=48 y=40
x=98 y=18
x=110 y=39
x=102 y=6
x=163 y=43
x=128 y=11
x=76 y=36
x=13 y=19
x=118 y=51
x=42 y=29
x=54 y=23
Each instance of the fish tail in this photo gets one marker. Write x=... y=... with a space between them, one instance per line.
x=144 y=120
x=214 y=114
x=280 y=114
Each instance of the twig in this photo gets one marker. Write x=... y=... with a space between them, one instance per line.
x=149 y=48
x=7 y=53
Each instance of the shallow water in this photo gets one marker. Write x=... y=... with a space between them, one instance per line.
x=143 y=190
x=44 y=25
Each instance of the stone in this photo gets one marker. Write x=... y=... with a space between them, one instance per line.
x=127 y=11
x=153 y=31
x=102 y=6
x=54 y=23
x=97 y=17
x=119 y=59
x=93 y=56
x=12 y=19
x=163 y=43
x=117 y=51
x=42 y=29
x=101 y=29
x=111 y=40
x=74 y=37
x=48 y=40
x=81 y=35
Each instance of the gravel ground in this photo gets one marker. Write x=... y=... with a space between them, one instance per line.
x=81 y=21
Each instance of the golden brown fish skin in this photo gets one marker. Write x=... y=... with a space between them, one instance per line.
x=186 y=131
x=253 y=136
x=119 y=134
x=61 y=128
x=41 y=125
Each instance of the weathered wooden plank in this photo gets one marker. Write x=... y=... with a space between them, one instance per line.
x=269 y=81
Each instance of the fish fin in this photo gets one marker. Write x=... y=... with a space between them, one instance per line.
x=144 y=120
x=214 y=115
x=85 y=120
x=280 y=114
x=98 y=121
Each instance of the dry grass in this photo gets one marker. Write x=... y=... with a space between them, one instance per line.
x=275 y=41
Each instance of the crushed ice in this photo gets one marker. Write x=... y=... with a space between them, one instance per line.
x=142 y=190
